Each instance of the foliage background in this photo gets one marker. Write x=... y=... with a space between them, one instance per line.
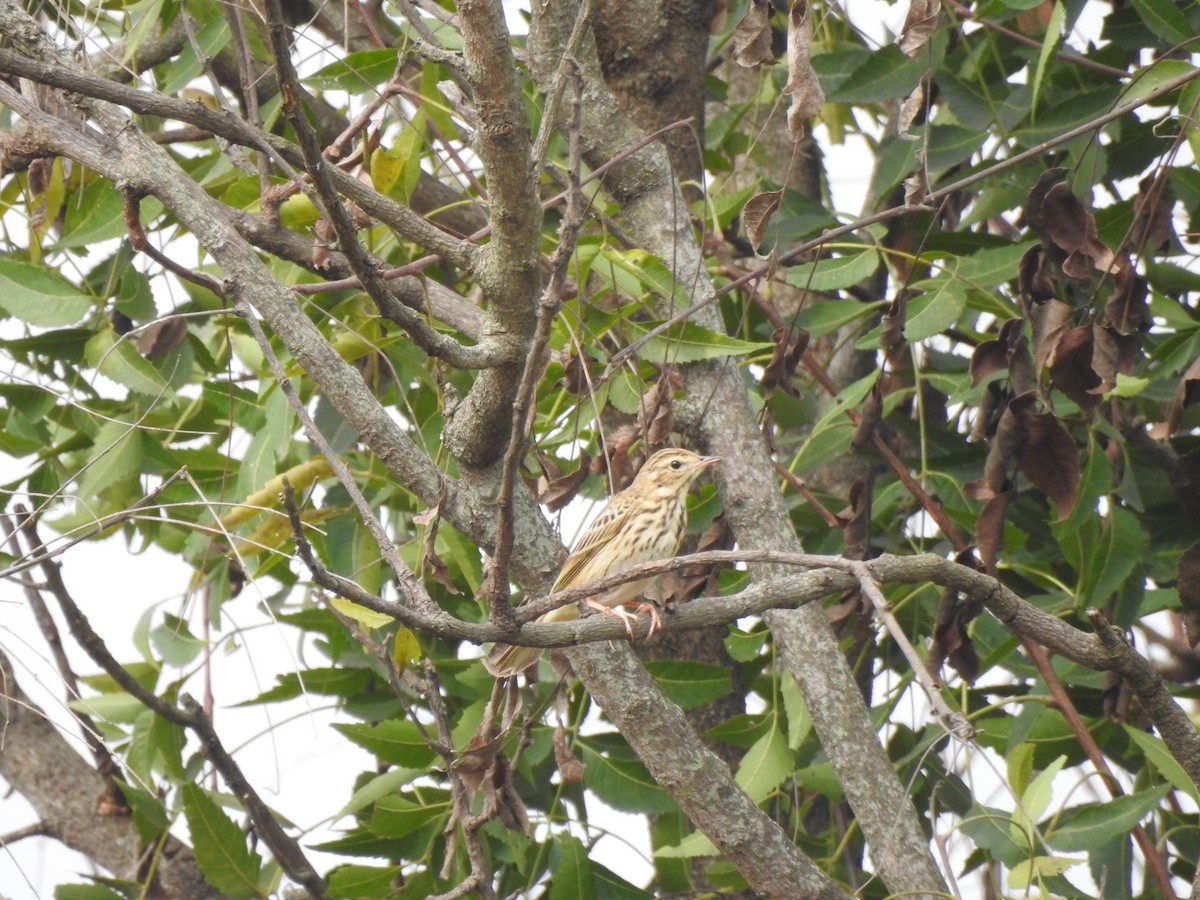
x=1017 y=337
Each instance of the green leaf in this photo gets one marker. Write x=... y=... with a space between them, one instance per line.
x=1034 y=800
x=885 y=75
x=115 y=707
x=935 y=311
x=211 y=40
x=1166 y=20
x=836 y=272
x=175 y=643
x=220 y=846
x=618 y=777
x=120 y=361
x=799 y=720
x=368 y=618
x=116 y=458
x=369 y=882
x=1038 y=868
x=98 y=214
x=395 y=741
x=572 y=870
x=824 y=316
x=1164 y=761
x=1105 y=552
x=744 y=646
x=695 y=844
x=611 y=886
x=396 y=816
x=269 y=445
x=357 y=73
x=143 y=17
x=688 y=342
x=378 y=787
x=39 y=296
x=691 y=684
x=1089 y=826
x=766 y=765
x=1049 y=42
x=86 y=892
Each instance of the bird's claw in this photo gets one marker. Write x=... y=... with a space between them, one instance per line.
x=630 y=618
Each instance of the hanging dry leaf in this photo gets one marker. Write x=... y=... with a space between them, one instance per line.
x=790 y=344
x=990 y=528
x=909 y=110
x=752 y=37
x=1047 y=455
x=802 y=84
x=1070 y=362
x=1187 y=393
x=556 y=493
x=919 y=25
x=756 y=215
x=162 y=337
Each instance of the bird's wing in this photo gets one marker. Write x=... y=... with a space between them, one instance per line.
x=599 y=534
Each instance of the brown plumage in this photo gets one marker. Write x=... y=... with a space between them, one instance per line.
x=642 y=523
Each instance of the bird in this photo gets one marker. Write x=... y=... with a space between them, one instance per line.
x=642 y=523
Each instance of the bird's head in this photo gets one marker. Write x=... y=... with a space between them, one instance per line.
x=672 y=471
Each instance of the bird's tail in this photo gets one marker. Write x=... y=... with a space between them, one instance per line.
x=507 y=660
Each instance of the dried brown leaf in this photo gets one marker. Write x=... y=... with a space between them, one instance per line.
x=1047 y=455
x=1050 y=321
x=569 y=765
x=919 y=25
x=1071 y=369
x=790 y=344
x=160 y=338
x=990 y=528
x=752 y=36
x=1033 y=277
x=1189 y=592
x=870 y=412
x=655 y=416
x=1127 y=309
x=802 y=84
x=756 y=215
x=1187 y=393
x=556 y=493
x=1153 y=228
x=909 y=110
x=988 y=358
x=1115 y=353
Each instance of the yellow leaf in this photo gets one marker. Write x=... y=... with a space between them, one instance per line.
x=360 y=614
x=406 y=649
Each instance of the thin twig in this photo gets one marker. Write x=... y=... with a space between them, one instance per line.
x=956 y=723
x=496 y=591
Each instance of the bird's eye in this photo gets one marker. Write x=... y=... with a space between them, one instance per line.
x=676 y=464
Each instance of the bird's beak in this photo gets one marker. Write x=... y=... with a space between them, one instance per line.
x=706 y=461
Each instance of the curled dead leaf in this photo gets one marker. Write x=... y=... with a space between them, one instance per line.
x=1187 y=393
x=802 y=84
x=919 y=25
x=756 y=215
x=557 y=492
x=752 y=37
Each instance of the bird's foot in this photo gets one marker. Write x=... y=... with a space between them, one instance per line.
x=629 y=618
x=617 y=612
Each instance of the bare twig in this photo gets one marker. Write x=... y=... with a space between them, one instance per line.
x=496 y=590
x=956 y=723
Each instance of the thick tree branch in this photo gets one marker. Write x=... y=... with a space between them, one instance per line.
x=721 y=413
